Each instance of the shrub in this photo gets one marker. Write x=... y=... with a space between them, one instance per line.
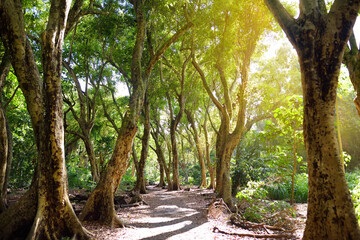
x=281 y=191
x=254 y=207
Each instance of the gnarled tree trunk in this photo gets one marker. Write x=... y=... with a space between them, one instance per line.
x=53 y=216
x=320 y=39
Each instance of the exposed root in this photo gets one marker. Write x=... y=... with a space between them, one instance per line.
x=218 y=209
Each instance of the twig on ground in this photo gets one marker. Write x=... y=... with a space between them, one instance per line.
x=254 y=235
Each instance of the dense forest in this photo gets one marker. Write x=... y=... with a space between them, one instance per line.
x=253 y=99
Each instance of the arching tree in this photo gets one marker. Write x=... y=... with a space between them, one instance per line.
x=235 y=31
x=100 y=205
x=320 y=38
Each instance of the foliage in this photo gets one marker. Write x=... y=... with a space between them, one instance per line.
x=282 y=190
x=127 y=182
x=24 y=149
x=254 y=206
x=353 y=181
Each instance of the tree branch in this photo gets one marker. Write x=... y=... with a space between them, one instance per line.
x=207 y=88
x=285 y=20
x=165 y=46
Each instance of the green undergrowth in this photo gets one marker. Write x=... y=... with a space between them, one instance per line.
x=353 y=180
x=282 y=190
x=259 y=200
x=253 y=205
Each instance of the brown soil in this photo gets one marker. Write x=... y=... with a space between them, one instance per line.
x=180 y=215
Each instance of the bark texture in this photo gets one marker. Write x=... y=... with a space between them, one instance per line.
x=207 y=157
x=199 y=148
x=160 y=155
x=140 y=185
x=5 y=136
x=320 y=39
x=48 y=213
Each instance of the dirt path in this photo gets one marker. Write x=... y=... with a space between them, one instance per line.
x=180 y=215
x=168 y=215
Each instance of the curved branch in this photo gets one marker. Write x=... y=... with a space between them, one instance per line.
x=165 y=46
x=285 y=20
x=207 y=88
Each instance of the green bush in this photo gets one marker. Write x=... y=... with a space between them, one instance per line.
x=79 y=177
x=353 y=181
x=127 y=182
x=282 y=191
x=254 y=206
x=355 y=193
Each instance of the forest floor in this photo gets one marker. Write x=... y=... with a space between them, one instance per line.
x=180 y=215
x=176 y=215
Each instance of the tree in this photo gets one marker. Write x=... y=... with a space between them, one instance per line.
x=100 y=205
x=175 y=118
x=199 y=147
x=140 y=165
x=45 y=211
x=86 y=117
x=5 y=136
x=237 y=30
x=320 y=38
x=156 y=133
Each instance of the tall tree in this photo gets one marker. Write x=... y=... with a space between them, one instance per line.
x=199 y=147
x=86 y=117
x=237 y=31
x=45 y=211
x=175 y=118
x=320 y=38
x=140 y=165
x=100 y=205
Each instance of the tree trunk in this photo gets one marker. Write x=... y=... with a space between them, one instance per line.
x=89 y=146
x=140 y=169
x=162 y=175
x=3 y=159
x=100 y=205
x=54 y=216
x=320 y=42
x=161 y=159
x=16 y=221
x=5 y=137
x=207 y=157
x=329 y=196
x=198 y=148
x=85 y=121
x=175 y=157
x=225 y=146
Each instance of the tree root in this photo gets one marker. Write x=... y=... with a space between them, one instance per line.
x=235 y=220
x=254 y=235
